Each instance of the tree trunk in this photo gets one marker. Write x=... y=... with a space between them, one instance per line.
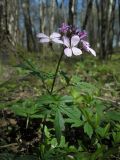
x=8 y=28
x=71 y=12
x=42 y=15
x=88 y=12
x=9 y=19
x=104 y=8
x=111 y=20
x=28 y=26
x=98 y=25
x=118 y=37
x=52 y=15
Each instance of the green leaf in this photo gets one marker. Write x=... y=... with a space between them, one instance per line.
x=65 y=76
x=71 y=111
x=100 y=107
x=82 y=156
x=73 y=114
x=59 y=125
x=66 y=99
x=97 y=154
x=103 y=132
x=46 y=99
x=47 y=133
x=88 y=129
x=116 y=137
x=97 y=120
x=113 y=115
x=84 y=86
x=8 y=156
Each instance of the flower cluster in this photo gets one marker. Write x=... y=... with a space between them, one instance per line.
x=72 y=38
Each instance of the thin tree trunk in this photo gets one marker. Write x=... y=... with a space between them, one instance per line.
x=13 y=20
x=9 y=20
x=28 y=26
x=8 y=29
x=103 y=5
x=98 y=24
x=42 y=15
x=52 y=15
x=111 y=20
x=118 y=37
x=71 y=12
x=88 y=13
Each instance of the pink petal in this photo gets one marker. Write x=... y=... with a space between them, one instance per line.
x=66 y=41
x=76 y=51
x=55 y=35
x=74 y=40
x=42 y=35
x=44 y=40
x=56 y=40
x=68 y=52
x=92 y=51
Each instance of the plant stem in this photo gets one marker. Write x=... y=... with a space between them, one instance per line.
x=56 y=71
x=53 y=84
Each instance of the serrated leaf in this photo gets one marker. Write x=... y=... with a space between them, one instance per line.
x=88 y=129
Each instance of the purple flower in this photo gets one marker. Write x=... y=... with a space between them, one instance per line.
x=70 y=44
x=86 y=47
x=54 y=37
x=64 y=28
x=82 y=34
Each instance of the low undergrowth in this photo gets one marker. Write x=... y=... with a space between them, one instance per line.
x=78 y=119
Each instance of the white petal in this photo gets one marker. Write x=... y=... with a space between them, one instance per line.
x=44 y=40
x=68 y=52
x=74 y=40
x=66 y=41
x=76 y=51
x=42 y=35
x=55 y=35
x=85 y=43
x=92 y=51
x=56 y=40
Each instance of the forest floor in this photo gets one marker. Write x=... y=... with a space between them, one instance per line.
x=17 y=84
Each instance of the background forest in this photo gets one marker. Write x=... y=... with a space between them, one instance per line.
x=55 y=107
x=20 y=20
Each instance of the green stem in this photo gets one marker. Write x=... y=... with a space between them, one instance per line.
x=55 y=76
x=53 y=84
